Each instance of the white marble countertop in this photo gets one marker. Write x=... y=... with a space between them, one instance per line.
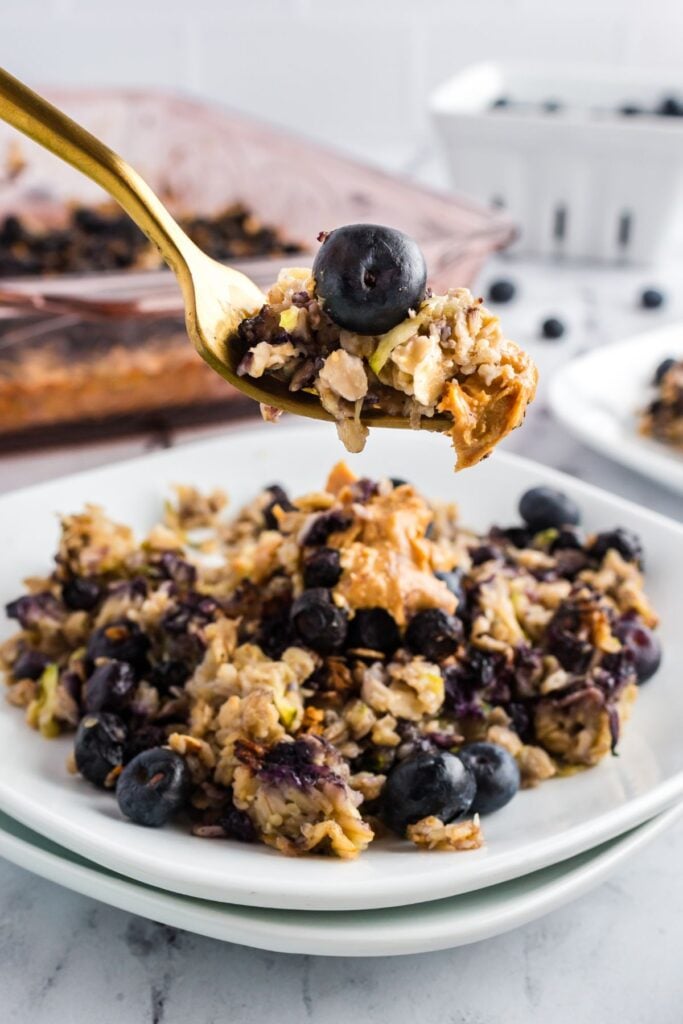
x=613 y=956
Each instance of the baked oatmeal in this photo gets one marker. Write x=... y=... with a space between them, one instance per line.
x=663 y=417
x=98 y=238
x=316 y=670
x=362 y=331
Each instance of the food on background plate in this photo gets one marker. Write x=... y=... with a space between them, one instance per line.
x=97 y=238
x=364 y=333
x=662 y=419
x=317 y=670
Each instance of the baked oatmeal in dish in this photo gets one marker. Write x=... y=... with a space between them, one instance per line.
x=663 y=417
x=362 y=331
x=314 y=672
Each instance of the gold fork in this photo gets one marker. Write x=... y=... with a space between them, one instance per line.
x=216 y=297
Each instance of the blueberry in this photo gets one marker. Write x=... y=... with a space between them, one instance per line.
x=630 y=110
x=30 y=664
x=169 y=673
x=662 y=370
x=500 y=103
x=238 y=825
x=644 y=646
x=544 y=507
x=374 y=629
x=552 y=328
x=278 y=497
x=496 y=774
x=430 y=783
x=274 y=636
x=99 y=745
x=153 y=787
x=318 y=622
x=564 y=642
x=110 y=687
x=12 y=231
x=670 y=106
x=626 y=542
x=322 y=568
x=118 y=641
x=568 y=538
x=569 y=562
x=651 y=298
x=324 y=525
x=81 y=594
x=368 y=277
x=454 y=582
x=32 y=610
x=143 y=735
x=434 y=633
x=502 y=291
x=551 y=106
x=518 y=536
x=483 y=553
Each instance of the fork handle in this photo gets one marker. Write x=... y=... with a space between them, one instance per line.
x=48 y=126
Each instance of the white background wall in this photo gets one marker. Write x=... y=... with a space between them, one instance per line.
x=352 y=72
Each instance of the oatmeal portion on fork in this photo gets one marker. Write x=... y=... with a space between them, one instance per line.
x=362 y=331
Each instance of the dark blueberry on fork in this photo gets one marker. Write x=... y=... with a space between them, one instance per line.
x=368 y=277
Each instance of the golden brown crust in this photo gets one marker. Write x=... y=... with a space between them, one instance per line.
x=484 y=414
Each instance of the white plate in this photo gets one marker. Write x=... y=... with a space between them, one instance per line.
x=598 y=396
x=441 y=924
x=538 y=828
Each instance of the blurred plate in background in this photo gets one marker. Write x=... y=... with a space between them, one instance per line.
x=599 y=396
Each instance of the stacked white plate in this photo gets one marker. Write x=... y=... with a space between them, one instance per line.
x=545 y=847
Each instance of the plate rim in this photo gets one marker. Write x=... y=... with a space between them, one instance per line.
x=266 y=930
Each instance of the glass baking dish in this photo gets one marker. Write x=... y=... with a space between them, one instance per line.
x=84 y=354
